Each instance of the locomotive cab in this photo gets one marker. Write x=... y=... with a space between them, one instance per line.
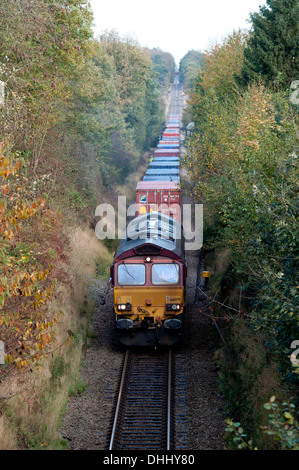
x=149 y=283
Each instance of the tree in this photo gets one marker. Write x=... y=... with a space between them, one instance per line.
x=272 y=50
x=43 y=46
x=41 y=52
x=25 y=284
x=215 y=90
x=190 y=65
x=164 y=65
x=136 y=119
x=243 y=165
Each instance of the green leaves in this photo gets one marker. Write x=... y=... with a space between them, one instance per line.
x=242 y=162
x=283 y=424
x=164 y=66
x=283 y=427
x=24 y=290
x=190 y=66
x=129 y=117
x=238 y=437
x=271 y=52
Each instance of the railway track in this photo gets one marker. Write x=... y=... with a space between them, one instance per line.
x=148 y=397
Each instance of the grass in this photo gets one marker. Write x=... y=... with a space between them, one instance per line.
x=248 y=378
x=103 y=266
x=32 y=417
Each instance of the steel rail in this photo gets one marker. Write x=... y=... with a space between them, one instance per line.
x=119 y=399
x=169 y=400
x=152 y=420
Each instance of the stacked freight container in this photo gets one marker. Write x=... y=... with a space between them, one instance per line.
x=162 y=196
x=160 y=188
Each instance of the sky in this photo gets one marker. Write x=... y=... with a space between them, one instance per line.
x=173 y=26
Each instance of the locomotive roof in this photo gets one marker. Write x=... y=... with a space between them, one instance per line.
x=152 y=233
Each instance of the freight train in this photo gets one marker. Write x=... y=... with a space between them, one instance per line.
x=149 y=269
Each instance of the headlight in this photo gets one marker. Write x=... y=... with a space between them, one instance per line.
x=124 y=307
x=173 y=307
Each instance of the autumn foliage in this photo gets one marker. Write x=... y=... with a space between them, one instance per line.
x=78 y=114
x=25 y=289
x=242 y=162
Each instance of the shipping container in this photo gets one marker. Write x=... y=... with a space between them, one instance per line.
x=170 y=138
x=159 y=164
x=151 y=195
x=163 y=171
x=161 y=178
x=167 y=152
x=168 y=146
x=169 y=142
x=166 y=159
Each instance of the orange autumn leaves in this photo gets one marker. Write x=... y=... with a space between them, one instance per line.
x=24 y=285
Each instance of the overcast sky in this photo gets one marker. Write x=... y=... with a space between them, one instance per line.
x=175 y=26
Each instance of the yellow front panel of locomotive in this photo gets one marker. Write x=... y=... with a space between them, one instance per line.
x=148 y=301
